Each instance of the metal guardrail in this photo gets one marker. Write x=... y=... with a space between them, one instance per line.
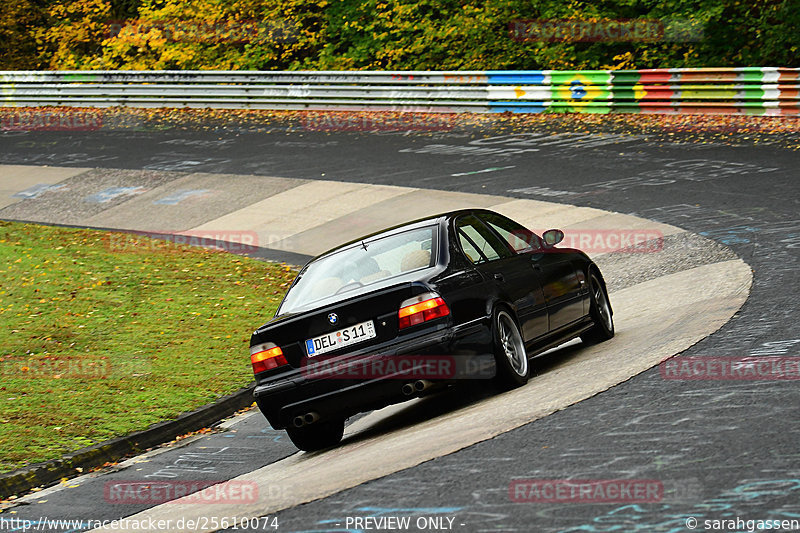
x=746 y=90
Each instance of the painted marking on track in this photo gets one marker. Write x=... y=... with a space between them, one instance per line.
x=516 y=144
x=733 y=235
x=493 y=169
x=59 y=160
x=573 y=140
x=183 y=165
x=179 y=196
x=198 y=143
x=37 y=190
x=449 y=149
x=543 y=191
x=781 y=347
x=201 y=462
x=112 y=193
x=668 y=517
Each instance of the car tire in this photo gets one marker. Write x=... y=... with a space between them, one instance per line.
x=511 y=358
x=600 y=312
x=317 y=436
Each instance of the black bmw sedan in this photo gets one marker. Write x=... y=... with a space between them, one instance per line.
x=467 y=294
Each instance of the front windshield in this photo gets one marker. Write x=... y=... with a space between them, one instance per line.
x=364 y=264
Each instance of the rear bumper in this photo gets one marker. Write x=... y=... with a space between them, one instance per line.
x=340 y=394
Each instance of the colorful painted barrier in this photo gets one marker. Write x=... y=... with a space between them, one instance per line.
x=746 y=90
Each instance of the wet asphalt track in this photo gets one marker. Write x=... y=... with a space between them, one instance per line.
x=722 y=449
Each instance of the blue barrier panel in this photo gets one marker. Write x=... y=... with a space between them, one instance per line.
x=517 y=77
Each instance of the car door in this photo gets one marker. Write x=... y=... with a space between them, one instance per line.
x=508 y=271
x=556 y=274
x=562 y=287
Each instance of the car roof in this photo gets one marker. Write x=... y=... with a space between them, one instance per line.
x=405 y=226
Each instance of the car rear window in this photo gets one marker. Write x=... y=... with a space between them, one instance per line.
x=350 y=270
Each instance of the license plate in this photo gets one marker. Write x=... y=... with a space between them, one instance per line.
x=341 y=338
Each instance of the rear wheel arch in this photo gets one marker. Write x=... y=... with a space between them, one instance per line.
x=507 y=376
x=498 y=304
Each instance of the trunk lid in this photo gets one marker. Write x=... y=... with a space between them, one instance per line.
x=292 y=332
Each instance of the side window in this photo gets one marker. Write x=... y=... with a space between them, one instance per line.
x=519 y=238
x=479 y=244
x=470 y=251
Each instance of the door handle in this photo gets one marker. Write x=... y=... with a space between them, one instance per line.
x=498 y=276
x=537 y=267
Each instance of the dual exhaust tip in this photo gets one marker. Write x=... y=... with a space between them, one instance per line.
x=409 y=389
x=414 y=387
x=304 y=420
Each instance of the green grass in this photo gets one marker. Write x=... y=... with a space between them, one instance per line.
x=103 y=334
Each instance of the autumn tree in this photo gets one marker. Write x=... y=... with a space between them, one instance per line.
x=391 y=34
x=20 y=20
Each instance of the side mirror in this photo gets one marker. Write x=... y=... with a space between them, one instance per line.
x=552 y=237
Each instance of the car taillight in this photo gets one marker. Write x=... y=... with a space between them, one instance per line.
x=266 y=357
x=421 y=309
